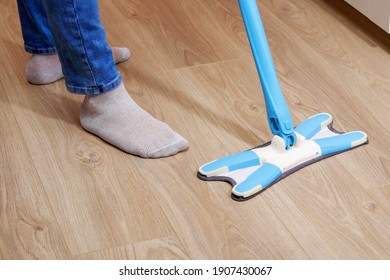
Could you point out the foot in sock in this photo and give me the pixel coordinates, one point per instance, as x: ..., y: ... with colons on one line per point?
x: 117, y: 119
x: 46, y: 69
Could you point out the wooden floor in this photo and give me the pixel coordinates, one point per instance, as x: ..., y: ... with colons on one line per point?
x: 65, y: 194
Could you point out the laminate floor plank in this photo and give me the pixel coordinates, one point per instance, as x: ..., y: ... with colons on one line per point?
x: 65, y: 193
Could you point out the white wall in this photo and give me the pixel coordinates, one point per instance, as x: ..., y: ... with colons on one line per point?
x: 376, y: 10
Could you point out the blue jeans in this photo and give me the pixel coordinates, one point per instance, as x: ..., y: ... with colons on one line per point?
x: 72, y: 29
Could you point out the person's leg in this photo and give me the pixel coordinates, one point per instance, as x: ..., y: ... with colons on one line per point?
x: 80, y: 39
x: 44, y: 67
x: 88, y: 66
x: 39, y: 42
x: 35, y: 29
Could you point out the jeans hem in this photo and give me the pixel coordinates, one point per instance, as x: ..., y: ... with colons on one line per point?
x: 32, y: 50
x: 97, y: 89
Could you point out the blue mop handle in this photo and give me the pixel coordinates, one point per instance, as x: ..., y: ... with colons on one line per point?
x: 279, y: 118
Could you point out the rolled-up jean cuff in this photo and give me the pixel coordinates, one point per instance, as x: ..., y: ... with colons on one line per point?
x: 96, y: 89
x: 32, y: 50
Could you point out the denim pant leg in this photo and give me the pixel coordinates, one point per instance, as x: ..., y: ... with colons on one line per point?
x: 80, y: 39
x: 35, y: 29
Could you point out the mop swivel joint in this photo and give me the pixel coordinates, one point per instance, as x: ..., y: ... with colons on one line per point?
x: 285, y: 131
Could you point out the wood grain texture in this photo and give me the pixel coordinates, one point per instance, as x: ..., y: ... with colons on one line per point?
x: 28, y: 226
x: 65, y: 194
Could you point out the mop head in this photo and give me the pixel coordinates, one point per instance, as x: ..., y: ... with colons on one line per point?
x: 252, y: 171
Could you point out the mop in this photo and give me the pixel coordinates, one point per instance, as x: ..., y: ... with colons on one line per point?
x: 291, y: 148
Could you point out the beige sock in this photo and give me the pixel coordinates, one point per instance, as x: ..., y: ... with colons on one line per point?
x: 117, y: 119
x: 46, y: 69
